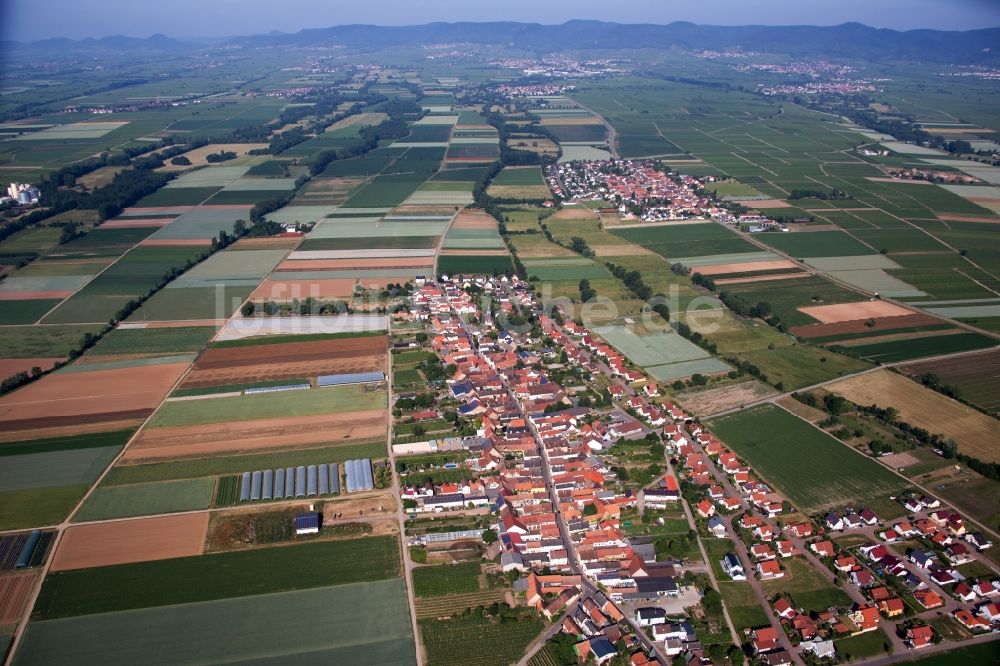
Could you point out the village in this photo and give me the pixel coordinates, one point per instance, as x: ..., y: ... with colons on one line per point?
x: 558, y: 414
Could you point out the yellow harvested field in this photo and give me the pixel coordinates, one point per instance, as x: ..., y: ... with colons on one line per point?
x: 976, y: 433
x: 198, y: 155
x: 831, y: 314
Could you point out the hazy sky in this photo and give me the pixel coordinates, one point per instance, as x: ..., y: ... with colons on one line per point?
x: 27, y: 20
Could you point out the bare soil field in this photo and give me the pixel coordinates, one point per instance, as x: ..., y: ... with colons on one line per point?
x: 806, y: 412
x: 968, y: 218
x: 861, y: 325
x: 227, y: 365
x: 136, y: 223
x: 899, y: 460
x: 975, y: 432
x: 87, y: 397
x: 620, y: 251
x: 12, y: 366
x: 15, y: 591
x: 263, y: 434
x: 977, y: 376
x: 286, y: 290
x: 761, y: 278
x: 768, y: 203
x: 474, y: 219
x: 126, y: 541
x: 713, y: 401
x: 746, y: 267
x: 33, y: 295
x: 832, y: 314
x: 352, y: 264
x: 198, y: 155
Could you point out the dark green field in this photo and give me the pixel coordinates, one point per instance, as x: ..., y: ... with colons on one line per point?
x: 177, y: 196
x: 815, y: 244
x: 689, y: 240
x: 901, y: 350
x: 218, y: 576
x: 380, y: 242
x: 25, y: 312
x: 432, y: 581
x: 154, y: 340
x: 811, y: 468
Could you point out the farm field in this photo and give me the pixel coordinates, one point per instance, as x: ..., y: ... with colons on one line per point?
x: 797, y: 366
x: 123, y: 542
x: 666, y: 356
x: 975, y: 432
x: 146, y: 499
x: 919, y: 347
x: 445, y: 579
x: 486, y: 641
x: 976, y: 376
x: 797, y: 459
x: 677, y: 243
x: 218, y: 576
x: 281, y: 624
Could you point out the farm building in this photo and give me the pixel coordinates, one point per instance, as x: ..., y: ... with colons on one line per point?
x: 307, y: 523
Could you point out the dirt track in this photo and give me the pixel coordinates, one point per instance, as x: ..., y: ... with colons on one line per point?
x: 201, y: 440
x: 121, y: 542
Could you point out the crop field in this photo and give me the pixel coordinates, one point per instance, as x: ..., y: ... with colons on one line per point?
x: 153, y: 340
x: 44, y: 469
x: 811, y: 468
x: 687, y: 240
x: 218, y: 576
x: 124, y: 474
x: 127, y: 541
x: 282, y: 624
x: 433, y: 581
x: 285, y: 404
x: 385, y: 190
x: 88, y: 397
x: 202, y: 223
x: 816, y: 244
x: 976, y: 376
x: 470, y: 264
x: 797, y: 366
x: 975, y: 433
x: 472, y: 638
x: 919, y: 347
x: 794, y: 294
x: 520, y: 183
x: 213, y: 304
x: 146, y: 499
x: 21, y: 509
x: 652, y: 349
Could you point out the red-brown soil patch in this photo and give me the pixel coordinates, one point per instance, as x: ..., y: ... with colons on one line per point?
x: 286, y: 290
x: 860, y: 325
x: 14, y: 594
x: 134, y: 222
x: 232, y: 365
x: 746, y: 267
x: 86, y: 397
x: 125, y: 541
x: 832, y: 314
x: 261, y: 434
x: 12, y: 366
x: 33, y: 295
x: 761, y: 278
x: 968, y: 218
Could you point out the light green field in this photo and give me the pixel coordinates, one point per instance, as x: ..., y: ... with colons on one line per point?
x: 266, y: 405
x: 653, y: 349
x: 202, y: 223
x: 210, y: 176
x: 263, y: 628
x: 672, y: 371
x: 147, y: 499
x: 56, y: 468
x: 36, y: 507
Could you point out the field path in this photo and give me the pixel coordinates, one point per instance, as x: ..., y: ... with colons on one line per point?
x: 612, y: 134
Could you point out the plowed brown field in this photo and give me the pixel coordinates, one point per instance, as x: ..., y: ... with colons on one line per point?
x: 204, y: 440
x: 125, y: 541
x: 14, y: 593
x: 287, y: 290
x: 832, y: 314
x: 860, y: 325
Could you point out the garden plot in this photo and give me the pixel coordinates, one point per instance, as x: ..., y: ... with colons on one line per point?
x: 82, y: 130
x: 213, y: 176
x: 202, y: 223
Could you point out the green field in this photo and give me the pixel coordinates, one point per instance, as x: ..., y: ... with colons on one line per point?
x: 268, y: 627
x: 793, y: 294
x: 443, y: 579
x: 811, y: 468
x: 147, y: 499
x: 816, y: 244
x: 809, y: 589
x: 901, y: 350
x: 473, y: 264
x: 473, y: 639
x: 219, y: 576
x: 36, y: 507
x: 42, y: 341
x: 26, y: 311
x: 202, y: 467
x: 266, y: 405
x: 520, y: 176
x: 46, y: 469
x: 688, y: 240
x: 797, y: 366
x: 154, y: 340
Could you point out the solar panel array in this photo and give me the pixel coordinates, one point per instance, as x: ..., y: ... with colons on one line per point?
x: 290, y: 482
x: 359, y: 475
